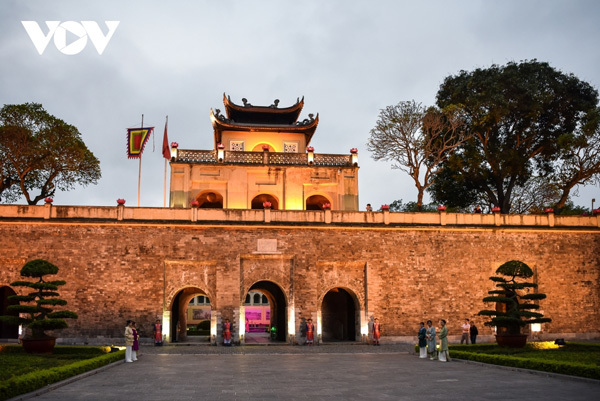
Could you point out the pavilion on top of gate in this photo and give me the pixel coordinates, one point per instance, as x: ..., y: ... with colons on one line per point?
x: 262, y: 158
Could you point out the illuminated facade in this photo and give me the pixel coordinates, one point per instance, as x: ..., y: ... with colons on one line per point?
x: 263, y: 154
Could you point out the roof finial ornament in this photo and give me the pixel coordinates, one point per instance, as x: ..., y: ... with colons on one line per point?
x: 245, y: 101
x: 275, y: 104
x: 220, y: 116
x: 306, y: 121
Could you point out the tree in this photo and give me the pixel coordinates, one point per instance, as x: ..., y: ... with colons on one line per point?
x: 41, y: 152
x: 411, y: 207
x: 41, y: 315
x: 579, y: 158
x: 517, y: 308
x: 516, y: 114
x: 416, y: 140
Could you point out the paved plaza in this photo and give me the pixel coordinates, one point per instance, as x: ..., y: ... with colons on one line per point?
x: 339, y: 372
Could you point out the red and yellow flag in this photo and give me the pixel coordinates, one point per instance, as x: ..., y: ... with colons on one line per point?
x: 136, y: 140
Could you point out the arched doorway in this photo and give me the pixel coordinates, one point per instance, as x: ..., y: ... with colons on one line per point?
x: 268, y: 299
x: 316, y: 202
x: 339, y: 316
x: 210, y: 200
x: 257, y: 202
x: 190, y: 316
x: 7, y: 330
x: 262, y: 146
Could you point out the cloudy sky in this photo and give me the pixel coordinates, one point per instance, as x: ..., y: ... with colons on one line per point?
x: 349, y: 59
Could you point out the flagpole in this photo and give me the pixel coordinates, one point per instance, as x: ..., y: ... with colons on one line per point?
x: 165, y: 192
x: 140, y: 170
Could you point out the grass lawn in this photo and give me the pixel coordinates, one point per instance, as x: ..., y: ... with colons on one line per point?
x: 578, y: 359
x: 21, y: 372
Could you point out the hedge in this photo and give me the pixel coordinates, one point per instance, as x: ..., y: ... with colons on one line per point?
x: 35, y: 380
x: 478, y: 353
x: 565, y: 368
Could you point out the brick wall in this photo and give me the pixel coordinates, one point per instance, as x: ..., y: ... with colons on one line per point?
x: 403, y: 275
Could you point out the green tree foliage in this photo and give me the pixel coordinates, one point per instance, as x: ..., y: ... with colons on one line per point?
x: 40, y: 302
x: 41, y: 153
x: 514, y: 306
x: 400, y: 206
x: 526, y: 120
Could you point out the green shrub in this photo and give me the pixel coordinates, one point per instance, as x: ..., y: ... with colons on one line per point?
x: 535, y: 357
x: 35, y: 380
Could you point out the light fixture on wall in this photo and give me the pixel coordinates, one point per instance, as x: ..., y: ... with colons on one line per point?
x: 354, y: 154
x: 220, y: 152
x: 174, y: 146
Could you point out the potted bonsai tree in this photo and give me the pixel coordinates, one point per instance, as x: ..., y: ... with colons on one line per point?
x: 42, y: 300
x: 515, y: 304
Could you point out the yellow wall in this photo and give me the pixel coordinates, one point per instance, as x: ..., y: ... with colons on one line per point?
x: 291, y: 185
x: 275, y: 139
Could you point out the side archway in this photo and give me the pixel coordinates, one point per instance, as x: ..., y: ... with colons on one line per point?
x: 258, y: 200
x: 186, y: 313
x: 339, y: 316
x: 210, y: 200
x: 7, y: 331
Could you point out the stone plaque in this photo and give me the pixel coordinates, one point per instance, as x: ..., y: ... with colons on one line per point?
x: 266, y: 246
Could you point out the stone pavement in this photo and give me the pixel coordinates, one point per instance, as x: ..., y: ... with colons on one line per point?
x: 338, y: 372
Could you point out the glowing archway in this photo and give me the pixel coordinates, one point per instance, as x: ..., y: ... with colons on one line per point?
x: 316, y: 202
x: 210, y: 200
x: 180, y: 315
x: 278, y: 304
x: 261, y: 147
x: 259, y: 200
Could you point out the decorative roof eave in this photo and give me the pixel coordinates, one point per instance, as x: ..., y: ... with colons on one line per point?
x: 220, y: 124
x: 293, y: 111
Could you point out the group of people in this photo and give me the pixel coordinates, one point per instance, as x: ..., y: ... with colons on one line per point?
x: 428, y: 342
x: 131, y: 342
x: 132, y: 336
x: 469, y: 331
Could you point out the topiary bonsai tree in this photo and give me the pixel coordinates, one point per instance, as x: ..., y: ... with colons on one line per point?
x: 41, y: 316
x: 515, y: 306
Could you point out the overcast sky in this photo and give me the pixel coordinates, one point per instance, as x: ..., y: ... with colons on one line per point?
x: 349, y: 59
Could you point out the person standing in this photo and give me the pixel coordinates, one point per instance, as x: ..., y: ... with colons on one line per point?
x: 444, y: 355
x: 431, y: 343
x: 128, y: 341
x: 157, y: 329
x: 474, y: 332
x: 310, y: 332
x: 369, y: 207
x: 422, y: 341
x: 465, y: 332
x: 227, y: 333
x: 376, y: 331
x: 136, y: 344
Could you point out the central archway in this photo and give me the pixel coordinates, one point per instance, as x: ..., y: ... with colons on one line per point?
x: 259, y: 200
x: 316, y: 202
x: 277, y: 306
x: 339, y: 316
